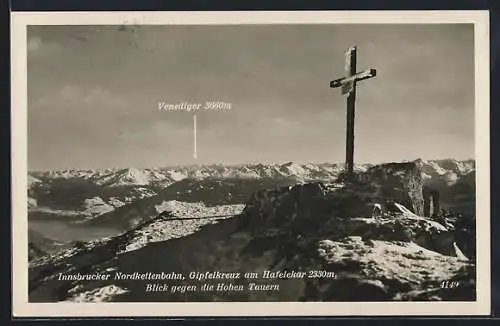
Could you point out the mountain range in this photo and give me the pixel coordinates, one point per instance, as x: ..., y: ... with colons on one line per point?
x: 91, y: 193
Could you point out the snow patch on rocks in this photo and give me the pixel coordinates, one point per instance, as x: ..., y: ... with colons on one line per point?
x: 103, y: 294
x: 183, y: 219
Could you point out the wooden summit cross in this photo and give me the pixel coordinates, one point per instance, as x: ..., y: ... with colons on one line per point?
x: 348, y: 84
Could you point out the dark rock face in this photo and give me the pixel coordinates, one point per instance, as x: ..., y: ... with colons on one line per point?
x: 39, y: 246
x: 464, y: 230
x: 399, y: 182
x: 283, y: 210
x: 455, y: 182
x: 34, y: 251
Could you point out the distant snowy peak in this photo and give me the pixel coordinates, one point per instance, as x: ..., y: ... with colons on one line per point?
x: 138, y: 177
x: 463, y: 167
x: 70, y: 174
x: 435, y: 167
x: 242, y: 172
x: 134, y: 177
x: 125, y: 177
x: 96, y: 206
x: 293, y: 169
x: 448, y: 169
x: 176, y: 175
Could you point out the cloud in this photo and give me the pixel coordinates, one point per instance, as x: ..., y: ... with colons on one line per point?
x: 71, y: 97
x: 37, y: 47
x: 34, y: 43
x: 99, y: 95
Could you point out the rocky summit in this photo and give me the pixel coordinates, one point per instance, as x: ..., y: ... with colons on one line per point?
x: 362, y: 240
x: 315, y: 203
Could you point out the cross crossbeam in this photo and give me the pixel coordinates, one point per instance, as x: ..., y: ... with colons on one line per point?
x: 348, y: 87
x: 366, y: 74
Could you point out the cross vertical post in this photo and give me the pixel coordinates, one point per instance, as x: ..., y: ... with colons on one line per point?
x: 350, y: 114
x: 348, y: 87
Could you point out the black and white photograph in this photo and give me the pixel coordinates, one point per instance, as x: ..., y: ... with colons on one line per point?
x: 300, y: 162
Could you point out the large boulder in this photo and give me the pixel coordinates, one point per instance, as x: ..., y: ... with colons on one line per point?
x: 398, y: 182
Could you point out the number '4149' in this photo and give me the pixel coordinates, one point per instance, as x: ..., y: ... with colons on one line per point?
x: 449, y: 284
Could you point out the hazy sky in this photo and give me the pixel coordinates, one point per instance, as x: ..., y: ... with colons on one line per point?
x: 93, y: 94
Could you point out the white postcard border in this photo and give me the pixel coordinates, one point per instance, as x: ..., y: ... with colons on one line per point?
x: 21, y: 306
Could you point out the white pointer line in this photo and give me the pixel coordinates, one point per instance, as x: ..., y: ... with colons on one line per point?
x: 195, y: 154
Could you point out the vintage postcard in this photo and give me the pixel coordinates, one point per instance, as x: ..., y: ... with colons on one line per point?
x: 250, y: 163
